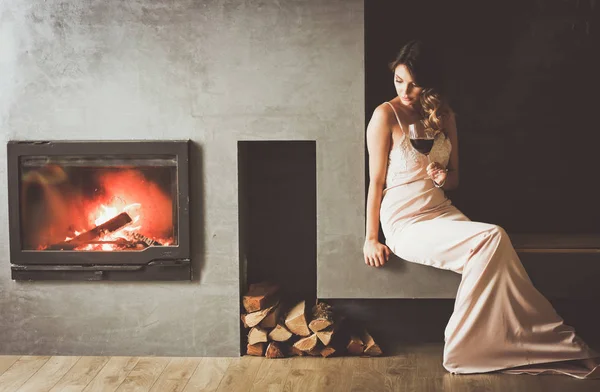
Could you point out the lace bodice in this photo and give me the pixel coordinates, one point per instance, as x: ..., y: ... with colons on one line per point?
x: 405, y: 164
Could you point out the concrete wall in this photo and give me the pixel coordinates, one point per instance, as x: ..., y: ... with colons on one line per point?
x: 212, y: 71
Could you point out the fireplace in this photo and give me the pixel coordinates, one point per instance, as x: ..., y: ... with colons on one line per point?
x: 101, y: 210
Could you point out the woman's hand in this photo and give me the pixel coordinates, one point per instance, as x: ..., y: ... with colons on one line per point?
x: 376, y: 254
x: 437, y: 172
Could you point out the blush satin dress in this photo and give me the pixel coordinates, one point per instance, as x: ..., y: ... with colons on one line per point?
x: 500, y: 322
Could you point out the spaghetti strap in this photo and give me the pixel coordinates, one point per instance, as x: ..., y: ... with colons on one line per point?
x: 396, y: 113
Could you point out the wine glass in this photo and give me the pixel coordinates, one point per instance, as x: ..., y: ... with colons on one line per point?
x: 421, y: 138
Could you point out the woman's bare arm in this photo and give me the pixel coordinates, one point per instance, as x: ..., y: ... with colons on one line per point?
x: 378, y: 146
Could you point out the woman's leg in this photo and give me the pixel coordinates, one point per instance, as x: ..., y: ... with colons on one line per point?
x: 500, y: 319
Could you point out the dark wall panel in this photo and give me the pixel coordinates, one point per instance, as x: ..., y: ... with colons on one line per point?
x: 523, y: 77
x: 278, y: 217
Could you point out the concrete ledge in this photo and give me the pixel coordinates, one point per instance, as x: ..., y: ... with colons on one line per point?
x: 561, y: 267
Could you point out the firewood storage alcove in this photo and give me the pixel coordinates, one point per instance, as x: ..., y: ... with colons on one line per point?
x: 99, y: 210
x: 278, y: 217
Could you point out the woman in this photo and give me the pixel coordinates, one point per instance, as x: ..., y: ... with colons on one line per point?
x: 500, y: 321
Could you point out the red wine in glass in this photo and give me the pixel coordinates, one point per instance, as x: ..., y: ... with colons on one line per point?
x: 421, y: 137
x: 422, y: 145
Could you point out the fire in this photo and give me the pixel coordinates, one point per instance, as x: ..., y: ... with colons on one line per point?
x: 104, y: 214
x: 123, y: 191
x: 115, y: 240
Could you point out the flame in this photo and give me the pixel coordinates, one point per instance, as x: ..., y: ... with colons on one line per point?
x: 127, y: 191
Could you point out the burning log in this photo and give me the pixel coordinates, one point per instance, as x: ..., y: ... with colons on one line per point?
x: 142, y: 239
x: 109, y: 226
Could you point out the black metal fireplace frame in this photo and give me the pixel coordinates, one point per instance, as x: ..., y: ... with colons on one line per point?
x: 153, y: 263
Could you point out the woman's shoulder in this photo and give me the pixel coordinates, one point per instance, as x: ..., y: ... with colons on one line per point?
x: 388, y: 111
x: 382, y: 114
x: 383, y: 109
x: 382, y: 120
x: 405, y: 114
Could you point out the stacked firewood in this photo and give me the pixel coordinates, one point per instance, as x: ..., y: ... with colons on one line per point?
x: 277, y: 330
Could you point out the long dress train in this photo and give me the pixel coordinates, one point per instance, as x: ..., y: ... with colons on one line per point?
x: 500, y: 322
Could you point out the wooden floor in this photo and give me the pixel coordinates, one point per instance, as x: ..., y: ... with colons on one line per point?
x: 410, y: 369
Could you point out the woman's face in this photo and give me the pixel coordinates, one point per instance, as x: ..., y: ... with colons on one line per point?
x: 407, y: 89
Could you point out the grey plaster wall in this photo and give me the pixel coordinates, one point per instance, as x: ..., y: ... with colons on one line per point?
x: 212, y: 71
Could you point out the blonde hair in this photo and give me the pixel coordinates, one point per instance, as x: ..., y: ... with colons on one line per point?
x: 434, y: 109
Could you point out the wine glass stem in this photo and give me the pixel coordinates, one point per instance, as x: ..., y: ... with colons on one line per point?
x: 428, y: 162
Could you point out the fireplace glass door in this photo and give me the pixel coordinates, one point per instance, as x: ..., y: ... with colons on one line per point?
x: 98, y: 204
x: 99, y: 210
